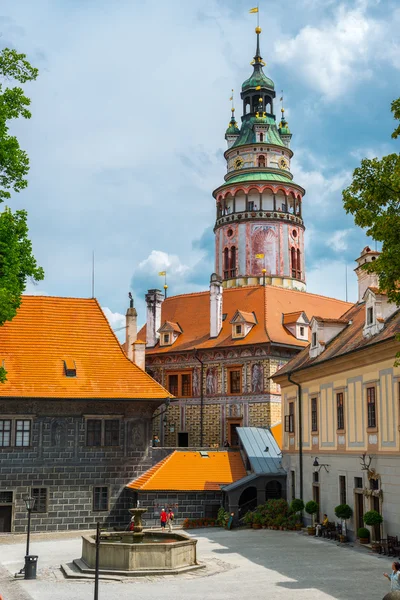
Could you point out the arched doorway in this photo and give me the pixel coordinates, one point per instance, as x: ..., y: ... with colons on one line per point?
x: 273, y: 490
x: 247, y: 501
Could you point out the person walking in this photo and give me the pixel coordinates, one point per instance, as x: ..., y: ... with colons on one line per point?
x: 170, y: 518
x: 163, y: 519
x: 394, y: 577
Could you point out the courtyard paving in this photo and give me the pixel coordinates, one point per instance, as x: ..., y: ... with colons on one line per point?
x: 256, y: 564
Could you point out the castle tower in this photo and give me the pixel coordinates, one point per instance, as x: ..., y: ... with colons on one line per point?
x: 259, y: 230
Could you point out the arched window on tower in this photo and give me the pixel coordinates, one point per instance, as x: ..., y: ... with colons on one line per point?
x: 293, y: 257
x: 261, y: 161
x: 233, y: 262
x: 298, y: 264
x: 261, y: 137
x: 226, y: 263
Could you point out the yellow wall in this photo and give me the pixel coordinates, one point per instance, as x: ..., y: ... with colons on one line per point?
x: 353, y: 381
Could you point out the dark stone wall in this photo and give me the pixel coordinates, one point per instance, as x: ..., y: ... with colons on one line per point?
x: 59, y: 460
x: 186, y: 505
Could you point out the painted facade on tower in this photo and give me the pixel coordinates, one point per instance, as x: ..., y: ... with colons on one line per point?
x: 259, y: 229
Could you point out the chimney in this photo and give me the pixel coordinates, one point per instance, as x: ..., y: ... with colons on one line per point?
x: 215, y: 305
x: 130, y: 328
x: 154, y: 299
x: 138, y: 352
x: 365, y: 279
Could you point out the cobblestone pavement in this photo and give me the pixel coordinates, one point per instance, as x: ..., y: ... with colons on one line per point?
x: 245, y: 563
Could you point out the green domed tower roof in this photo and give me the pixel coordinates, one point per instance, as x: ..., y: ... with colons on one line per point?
x: 258, y: 79
x: 233, y: 128
x: 284, y: 125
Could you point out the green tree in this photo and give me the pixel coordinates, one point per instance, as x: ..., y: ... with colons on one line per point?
x: 14, y: 162
x: 373, y: 198
x: 17, y: 262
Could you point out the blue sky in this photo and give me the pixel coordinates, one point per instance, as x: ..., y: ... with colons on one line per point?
x: 127, y: 136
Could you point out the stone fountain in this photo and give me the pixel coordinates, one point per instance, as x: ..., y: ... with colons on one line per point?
x: 136, y: 517
x: 137, y: 552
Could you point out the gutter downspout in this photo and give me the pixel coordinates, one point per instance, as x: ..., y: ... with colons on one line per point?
x: 196, y: 355
x: 300, y: 432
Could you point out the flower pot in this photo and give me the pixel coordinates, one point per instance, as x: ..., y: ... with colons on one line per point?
x: 364, y: 540
x: 342, y: 539
x: 311, y: 530
x: 298, y: 526
x: 257, y: 526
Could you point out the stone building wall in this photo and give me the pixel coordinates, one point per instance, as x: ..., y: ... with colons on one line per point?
x: 59, y: 461
x: 185, y: 505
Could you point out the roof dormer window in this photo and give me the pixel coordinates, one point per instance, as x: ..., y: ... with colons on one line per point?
x: 169, y: 333
x: 297, y: 324
x: 242, y: 324
x: 370, y: 315
x: 69, y: 368
x: 314, y: 339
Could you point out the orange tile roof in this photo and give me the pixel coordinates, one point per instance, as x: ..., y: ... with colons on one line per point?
x: 276, y: 431
x: 48, y: 331
x: 169, y: 326
x: 189, y: 471
x: 289, y: 318
x: 248, y: 317
x: 269, y: 303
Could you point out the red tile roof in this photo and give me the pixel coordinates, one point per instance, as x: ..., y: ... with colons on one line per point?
x: 48, y: 331
x: 350, y: 339
x: 269, y: 303
x: 189, y: 471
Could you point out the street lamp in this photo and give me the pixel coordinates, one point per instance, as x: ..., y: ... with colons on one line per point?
x: 29, y: 503
x: 30, y: 561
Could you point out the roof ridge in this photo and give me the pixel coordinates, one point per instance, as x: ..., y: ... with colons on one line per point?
x: 159, y: 465
x: 48, y: 296
x: 265, y: 315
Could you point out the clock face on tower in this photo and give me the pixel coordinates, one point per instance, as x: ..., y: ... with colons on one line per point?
x: 283, y: 163
x: 238, y: 163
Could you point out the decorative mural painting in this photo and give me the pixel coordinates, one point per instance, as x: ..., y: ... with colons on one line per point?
x: 264, y: 241
x: 212, y: 381
x: 257, y: 378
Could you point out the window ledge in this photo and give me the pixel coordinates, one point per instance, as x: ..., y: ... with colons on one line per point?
x: 341, y: 431
x: 372, y: 429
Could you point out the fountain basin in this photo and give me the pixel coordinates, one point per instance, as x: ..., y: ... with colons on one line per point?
x: 153, y: 555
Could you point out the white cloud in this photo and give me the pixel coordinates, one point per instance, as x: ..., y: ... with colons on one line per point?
x: 161, y: 261
x: 335, y: 55
x: 338, y: 241
x: 117, y: 322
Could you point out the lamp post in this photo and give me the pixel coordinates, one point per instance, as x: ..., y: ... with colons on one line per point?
x: 29, y: 503
x: 96, y: 569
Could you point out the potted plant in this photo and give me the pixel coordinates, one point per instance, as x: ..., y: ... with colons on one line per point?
x: 297, y: 506
x: 373, y: 519
x: 343, y: 512
x: 363, y: 535
x: 311, y: 508
x: 257, y: 521
x: 249, y: 518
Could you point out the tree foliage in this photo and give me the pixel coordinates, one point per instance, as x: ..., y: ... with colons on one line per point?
x: 14, y: 162
x: 17, y: 262
x: 373, y: 198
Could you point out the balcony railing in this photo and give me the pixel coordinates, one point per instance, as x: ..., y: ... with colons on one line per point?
x: 258, y: 214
